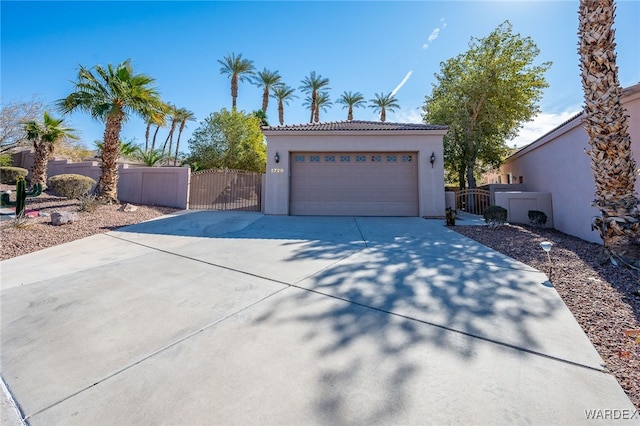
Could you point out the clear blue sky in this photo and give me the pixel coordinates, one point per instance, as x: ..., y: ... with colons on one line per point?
x: 365, y: 46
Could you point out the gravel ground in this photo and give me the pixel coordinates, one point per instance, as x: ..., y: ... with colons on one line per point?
x: 604, y: 299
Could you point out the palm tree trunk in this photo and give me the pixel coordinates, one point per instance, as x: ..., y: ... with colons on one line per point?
x: 39, y: 168
x: 155, y: 134
x: 108, y: 184
x: 182, y: 124
x: 606, y: 124
x: 265, y: 100
x: 383, y: 115
x: 313, y: 105
x: 350, y: 114
x: 234, y: 91
x: 281, y: 112
x: 146, y: 137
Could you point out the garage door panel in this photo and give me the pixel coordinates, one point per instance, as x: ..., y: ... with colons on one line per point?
x: 358, y: 184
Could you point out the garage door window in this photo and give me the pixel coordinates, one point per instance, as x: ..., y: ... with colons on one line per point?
x: 360, y: 158
x: 299, y: 159
x: 345, y: 158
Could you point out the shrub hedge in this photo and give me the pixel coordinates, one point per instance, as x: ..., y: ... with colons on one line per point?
x: 10, y: 175
x: 71, y: 185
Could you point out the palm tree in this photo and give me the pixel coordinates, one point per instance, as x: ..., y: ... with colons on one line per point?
x: 322, y: 102
x: 606, y: 124
x: 351, y: 100
x: 268, y: 80
x: 174, y: 115
x: 150, y: 158
x: 283, y: 94
x: 382, y: 103
x: 44, y: 137
x: 111, y: 95
x: 184, y: 116
x: 237, y: 69
x: 311, y: 85
x: 156, y: 117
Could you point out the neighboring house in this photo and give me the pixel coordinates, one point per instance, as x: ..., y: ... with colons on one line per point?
x: 355, y: 168
x: 557, y: 163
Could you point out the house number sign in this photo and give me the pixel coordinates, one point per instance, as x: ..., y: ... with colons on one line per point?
x: 277, y: 170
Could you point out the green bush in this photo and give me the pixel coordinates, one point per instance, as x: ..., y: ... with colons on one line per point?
x: 10, y: 175
x: 71, y: 185
x: 537, y: 218
x: 6, y: 160
x: 495, y: 215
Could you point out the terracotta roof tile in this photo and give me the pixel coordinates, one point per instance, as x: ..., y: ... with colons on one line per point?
x: 354, y: 125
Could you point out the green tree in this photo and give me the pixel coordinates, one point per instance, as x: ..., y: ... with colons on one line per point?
x: 267, y: 80
x: 150, y: 158
x: 322, y: 103
x: 44, y: 136
x: 485, y: 95
x: 229, y: 139
x: 238, y: 70
x: 311, y: 85
x: 111, y: 95
x: 351, y: 100
x: 283, y: 94
x: 612, y: 162
x: 382, y: 103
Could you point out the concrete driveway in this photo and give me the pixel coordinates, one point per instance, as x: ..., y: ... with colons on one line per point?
x: 240, y: 318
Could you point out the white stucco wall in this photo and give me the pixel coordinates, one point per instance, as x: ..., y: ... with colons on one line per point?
x: 557, y: 163
x: 424, y: 142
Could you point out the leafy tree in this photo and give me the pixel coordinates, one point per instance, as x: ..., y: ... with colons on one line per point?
x: 311, y: 85
x: 283, y: 94
x: 111, y: 95
x: 382, y: 103
x: 485, y: 95
x: 237, y: 69
x: 44, y: 136
x: 351, y: 100
x: 229, y: 139
x: 268, y: 80
x: 13, y: 115
x: 606, y: 124
x: 262, y: 117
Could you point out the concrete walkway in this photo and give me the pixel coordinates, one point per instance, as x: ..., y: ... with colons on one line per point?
x: 240, y: 318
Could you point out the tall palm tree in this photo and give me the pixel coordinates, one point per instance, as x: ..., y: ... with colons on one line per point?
x: 174, y: 116
x: 184, y: 116
x: 237, y: 69
x: 154, y: 117
x: 283, y: 94
x: 311, y: 85
x: 268, y: 80
x: 111, y: 95
x: 44, y: 137
x: 351, y: 100
x: 382, y: 103
x: 322, y: 102
x: 606, y: 124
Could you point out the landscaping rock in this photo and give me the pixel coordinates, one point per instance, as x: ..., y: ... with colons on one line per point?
x: 60, y: 218
x: 128, y: 208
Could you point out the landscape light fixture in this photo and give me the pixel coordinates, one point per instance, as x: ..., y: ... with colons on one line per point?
x: 432, y: 159
x: 546, y: 246
x: 277, y: 157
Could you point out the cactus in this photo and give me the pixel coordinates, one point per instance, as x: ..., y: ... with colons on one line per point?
x: 21, y: 196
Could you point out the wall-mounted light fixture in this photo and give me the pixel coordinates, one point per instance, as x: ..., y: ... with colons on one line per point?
x: 432, y: 159
x: 277, y: 157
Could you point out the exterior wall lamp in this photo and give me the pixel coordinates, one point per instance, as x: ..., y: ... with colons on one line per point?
x: 432, y: 159
x: 277, y: 157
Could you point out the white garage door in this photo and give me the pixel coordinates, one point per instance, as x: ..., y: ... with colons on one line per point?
x: 354, y: 184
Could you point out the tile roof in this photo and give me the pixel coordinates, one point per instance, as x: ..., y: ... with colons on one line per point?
x: 354, y: 125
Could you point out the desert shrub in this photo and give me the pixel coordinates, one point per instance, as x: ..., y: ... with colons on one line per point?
x: 71, y: 185
x: 10, y: 175
x: 88, y: 202
x: 537, y: 218
x: 6, y: 160
x: 495, y: 215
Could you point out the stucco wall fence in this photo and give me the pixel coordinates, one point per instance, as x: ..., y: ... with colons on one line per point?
x: 160, y: 186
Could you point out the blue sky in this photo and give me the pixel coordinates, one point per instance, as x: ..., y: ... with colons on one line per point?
x: 365, y: 46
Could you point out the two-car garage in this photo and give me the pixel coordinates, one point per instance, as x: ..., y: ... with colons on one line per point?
x: 355, y: 168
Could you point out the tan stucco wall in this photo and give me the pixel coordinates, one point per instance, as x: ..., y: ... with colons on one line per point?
x: 431, y: 180
x: 558, y: 164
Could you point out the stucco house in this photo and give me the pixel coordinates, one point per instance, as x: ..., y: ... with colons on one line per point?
x: 355, y: 168
x: 557, y: 163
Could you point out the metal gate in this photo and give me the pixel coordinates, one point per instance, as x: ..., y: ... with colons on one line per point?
x: 473, y: 201
x: 223, y: 189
